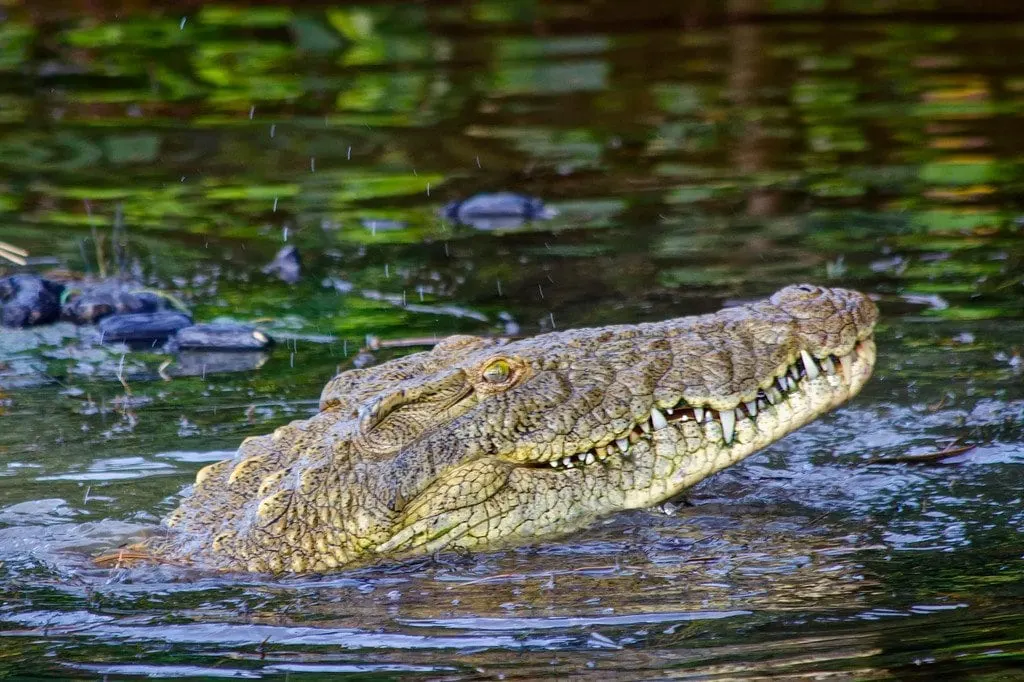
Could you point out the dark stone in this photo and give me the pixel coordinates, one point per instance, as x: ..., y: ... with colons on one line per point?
x: 29, y: 300
x: 142, y: 327
x: 221, y: 337
x: 109, y: 298
x: 286, y: 266
x: 491, y: 211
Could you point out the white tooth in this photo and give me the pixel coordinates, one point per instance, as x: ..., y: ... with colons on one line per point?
x: 773, y: 395
x: 658, y: 419
x: 828, y: 365
x: 589, y: 459
x: 783, y: 383
x: 567, y: 461
x: 698, y: 414
x: 794, y: 373
x: 645, y: 426
x: 669, y: 411
x: 728, y: 418
x: 791, y: 383
x: 846, y: 362
x: 810, y: 366
x: 554, y: 463
x: 623, y: 444
x: 752, y: 408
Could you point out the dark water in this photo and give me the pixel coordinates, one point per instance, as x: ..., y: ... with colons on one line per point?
x: 696, y: 156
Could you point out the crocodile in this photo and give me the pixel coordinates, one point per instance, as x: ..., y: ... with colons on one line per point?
x: 481, y: 443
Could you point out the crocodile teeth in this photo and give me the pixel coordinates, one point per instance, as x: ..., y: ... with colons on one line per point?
x: 791, y: 383
x: 698, y: 414
x: 658, y: 419
x: 554, y: 463
x: 781, y: 381
x: 773, y: 395
x: 728, y: 418
x: 794, y: 374
x: 828, y: 365
x: 752, y: 408
x: 567, y: 461
x: 810, y: 366
x: 623, y: 444
x: 645, y: 427
x: 589, y: 459
x: 669, y: 411
x: 846, y: 362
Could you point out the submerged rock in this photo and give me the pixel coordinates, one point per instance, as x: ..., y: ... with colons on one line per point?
x: 29, y: 300
x: 221, y: 337
x: 490, y: 211
x: 286, y: 266
x: 142, y: 327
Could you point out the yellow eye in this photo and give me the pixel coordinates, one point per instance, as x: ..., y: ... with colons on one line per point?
x: 497, y: 372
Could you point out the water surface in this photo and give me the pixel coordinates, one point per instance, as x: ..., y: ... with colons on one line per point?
x: 697, y: 157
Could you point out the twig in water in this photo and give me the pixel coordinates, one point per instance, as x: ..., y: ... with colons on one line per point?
x: 927, y: 458
x: 12, y: 253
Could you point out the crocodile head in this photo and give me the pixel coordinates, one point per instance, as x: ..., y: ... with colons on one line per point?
x: 480, y: 442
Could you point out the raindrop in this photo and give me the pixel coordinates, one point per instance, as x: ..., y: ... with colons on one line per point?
x: 252, y: 111
x: 181, y: 26
x: 273, y: 129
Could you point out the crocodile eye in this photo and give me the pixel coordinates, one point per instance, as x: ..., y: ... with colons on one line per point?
x: 497, y: 372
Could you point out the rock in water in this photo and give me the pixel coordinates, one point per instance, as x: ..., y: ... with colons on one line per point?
x: 29, y: 300
x: 142, y: 327
x: 286, y: 266
x: 90, y: 305
x: 221, y: 337
x: 491, y: 211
